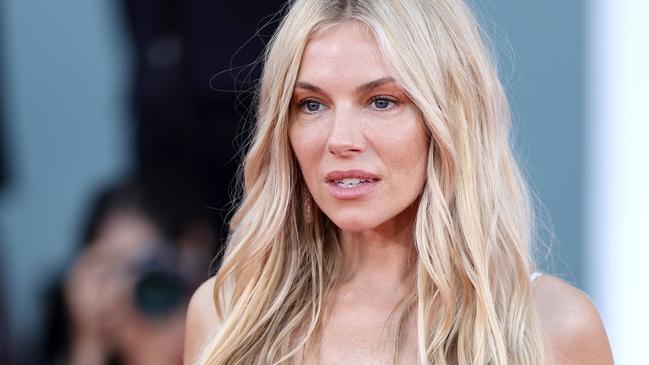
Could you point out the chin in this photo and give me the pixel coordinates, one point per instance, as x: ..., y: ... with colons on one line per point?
x: 354, y: 223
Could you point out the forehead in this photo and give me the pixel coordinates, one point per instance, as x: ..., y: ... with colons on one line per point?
x: 346, y: 51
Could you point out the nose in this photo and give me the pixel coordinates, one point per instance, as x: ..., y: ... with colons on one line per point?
x: 345, y: 137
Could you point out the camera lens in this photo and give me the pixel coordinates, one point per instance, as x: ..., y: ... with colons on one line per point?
x: 158, y: 292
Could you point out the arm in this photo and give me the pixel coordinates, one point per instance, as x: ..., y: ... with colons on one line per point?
x: 201, y: 321
x: 572, y: 330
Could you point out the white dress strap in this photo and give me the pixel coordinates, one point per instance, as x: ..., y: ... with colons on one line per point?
x: 534, y: 276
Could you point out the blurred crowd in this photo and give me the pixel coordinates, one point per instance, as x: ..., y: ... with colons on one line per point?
x: 152, y: 235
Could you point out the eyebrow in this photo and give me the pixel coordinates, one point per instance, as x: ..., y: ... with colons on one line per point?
x: 365, y: 87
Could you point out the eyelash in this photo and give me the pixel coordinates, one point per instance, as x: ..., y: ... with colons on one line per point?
x: 302, y: 105
x: 393, y: 102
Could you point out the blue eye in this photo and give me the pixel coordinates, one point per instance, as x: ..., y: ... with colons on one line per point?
x: 311, y: 106
x: 382, y: 103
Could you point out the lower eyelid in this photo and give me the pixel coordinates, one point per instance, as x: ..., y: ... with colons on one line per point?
x: 393, y: 102
x: 302, y: 106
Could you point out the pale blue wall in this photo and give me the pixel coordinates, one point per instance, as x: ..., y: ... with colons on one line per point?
x: 544, y: 71
x: 64, y: 77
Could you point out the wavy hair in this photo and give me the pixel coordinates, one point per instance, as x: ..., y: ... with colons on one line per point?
x: 472, y: 302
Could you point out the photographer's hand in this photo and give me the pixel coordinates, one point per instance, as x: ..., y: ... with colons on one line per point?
x: 94, y: 291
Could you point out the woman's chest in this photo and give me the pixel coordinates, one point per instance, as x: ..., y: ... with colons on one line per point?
x: 367, y: 337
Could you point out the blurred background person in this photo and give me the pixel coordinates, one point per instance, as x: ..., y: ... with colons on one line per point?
x: 122, y: 299
x: 179, y: 114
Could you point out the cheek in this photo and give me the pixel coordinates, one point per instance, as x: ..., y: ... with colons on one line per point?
x: 403, y: 147
x: 307, y: 144
x: 408, y: 167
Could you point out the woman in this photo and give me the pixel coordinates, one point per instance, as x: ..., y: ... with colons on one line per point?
x: 384, y: 218
x: 124, y: 298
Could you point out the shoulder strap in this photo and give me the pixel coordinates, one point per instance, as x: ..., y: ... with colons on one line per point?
x: 534, y: 275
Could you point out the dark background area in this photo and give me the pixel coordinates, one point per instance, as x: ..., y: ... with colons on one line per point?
x: 187, y: 121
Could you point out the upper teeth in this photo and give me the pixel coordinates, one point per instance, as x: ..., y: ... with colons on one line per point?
x: 350, y: 182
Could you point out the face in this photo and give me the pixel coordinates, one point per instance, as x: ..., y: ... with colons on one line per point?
x: 101, y: 293
x: 359, y: 140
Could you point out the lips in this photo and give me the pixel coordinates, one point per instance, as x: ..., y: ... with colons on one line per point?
x: 350, y: 184
x: 335, y: 176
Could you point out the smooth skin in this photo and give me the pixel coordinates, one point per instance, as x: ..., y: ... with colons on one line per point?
x: 346, y: 115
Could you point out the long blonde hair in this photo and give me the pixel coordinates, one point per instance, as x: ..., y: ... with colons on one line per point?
x: 473, y: 226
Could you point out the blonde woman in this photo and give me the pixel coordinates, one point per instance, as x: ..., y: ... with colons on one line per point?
x: 384, y: 220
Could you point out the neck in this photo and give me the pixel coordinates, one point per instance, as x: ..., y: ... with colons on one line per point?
x: 382, y: 258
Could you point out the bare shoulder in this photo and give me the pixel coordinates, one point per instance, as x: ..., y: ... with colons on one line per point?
x: 573, y: 332
x: 202, y: 320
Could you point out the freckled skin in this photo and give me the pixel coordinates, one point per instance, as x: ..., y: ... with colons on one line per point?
x: 347, y: 128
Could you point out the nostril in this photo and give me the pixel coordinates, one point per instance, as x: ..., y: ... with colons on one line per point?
x: 345, y: 136
x: 344, y: 149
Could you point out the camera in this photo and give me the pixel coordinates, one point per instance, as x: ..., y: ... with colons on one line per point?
x: 166, y: 277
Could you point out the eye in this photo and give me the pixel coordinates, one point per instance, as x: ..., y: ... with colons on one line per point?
x: 311, y: 106
x: 383, y: 103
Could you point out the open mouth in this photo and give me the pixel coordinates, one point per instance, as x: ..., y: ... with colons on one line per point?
x: 352, y: 182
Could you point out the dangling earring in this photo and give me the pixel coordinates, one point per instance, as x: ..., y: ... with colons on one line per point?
x: 307, y: 204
